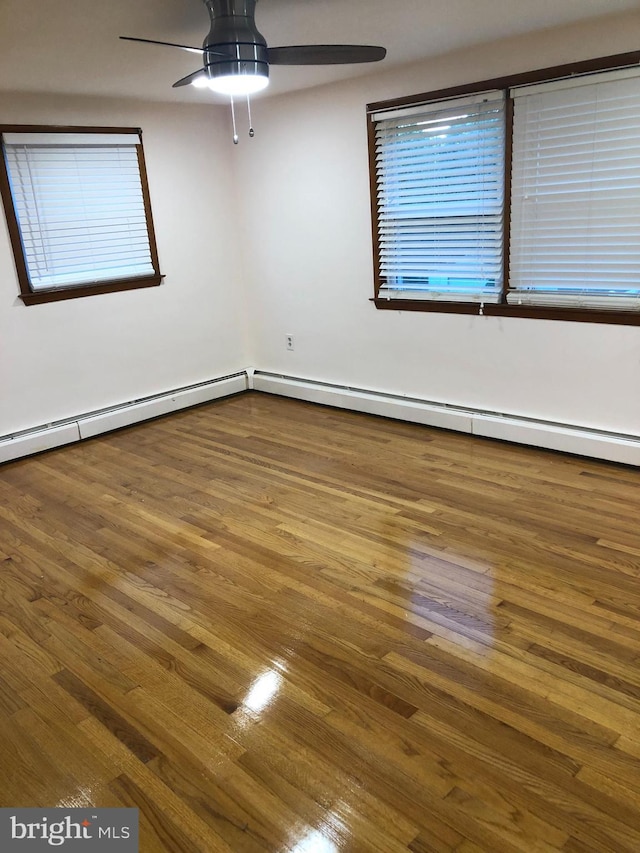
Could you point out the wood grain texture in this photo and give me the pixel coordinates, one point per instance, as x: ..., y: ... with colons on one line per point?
x: 272, y: 626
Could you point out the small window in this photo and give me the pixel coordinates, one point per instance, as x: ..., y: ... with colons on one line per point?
x: 78, y: 210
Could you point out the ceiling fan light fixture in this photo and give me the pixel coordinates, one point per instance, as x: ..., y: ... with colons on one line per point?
x: 238, y: 84
x: 236, y: 57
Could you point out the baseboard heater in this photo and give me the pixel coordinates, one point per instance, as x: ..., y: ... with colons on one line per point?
x: 56, y: 434
x: 568, y: 438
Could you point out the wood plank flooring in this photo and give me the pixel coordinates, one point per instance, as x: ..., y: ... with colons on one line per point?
x: 273, y: 626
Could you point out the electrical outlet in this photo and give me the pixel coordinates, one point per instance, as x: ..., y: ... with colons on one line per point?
x: 289, y: 340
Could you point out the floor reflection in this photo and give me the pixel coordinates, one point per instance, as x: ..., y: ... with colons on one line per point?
x: 315, y: 842
x: 263, y: 691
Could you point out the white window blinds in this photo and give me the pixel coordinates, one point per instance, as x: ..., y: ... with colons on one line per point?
x: 80, y: 208
x: 575, y: 210
x: 440, y: 197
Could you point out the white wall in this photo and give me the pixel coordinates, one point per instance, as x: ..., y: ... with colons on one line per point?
x: 65, y: 358
x: 304, y: 188
x: 302, y: 247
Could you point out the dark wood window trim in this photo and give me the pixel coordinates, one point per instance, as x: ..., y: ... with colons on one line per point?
x: 502, y: 309
x: 533, y: 312
x: 41, y: 296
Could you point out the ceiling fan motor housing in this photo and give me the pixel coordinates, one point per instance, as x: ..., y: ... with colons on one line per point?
x: 234, y: 46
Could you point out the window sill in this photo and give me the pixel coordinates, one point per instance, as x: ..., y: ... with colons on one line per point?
x: 576, y: 315
x: 41, y: 296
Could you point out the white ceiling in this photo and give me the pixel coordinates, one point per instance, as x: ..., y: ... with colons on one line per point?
x: 72, y: 46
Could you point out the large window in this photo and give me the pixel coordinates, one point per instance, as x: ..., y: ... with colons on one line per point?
x: 78, y: 211
x: 518, y: 196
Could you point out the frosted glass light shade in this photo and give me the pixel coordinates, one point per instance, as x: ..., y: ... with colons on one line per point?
x: 238, y: 84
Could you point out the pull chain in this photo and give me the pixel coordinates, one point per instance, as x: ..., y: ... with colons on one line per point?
x: 233, y: 119
x: 252, y: 132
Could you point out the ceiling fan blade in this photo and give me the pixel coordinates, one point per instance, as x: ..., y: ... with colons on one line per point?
x: 325, y: 54
x: 184, y: 81
x: 197, y: 50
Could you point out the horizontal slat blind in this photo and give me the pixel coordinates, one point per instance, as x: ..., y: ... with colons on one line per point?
x: 440, y: 196
x: 80, y: 209
x: 575, y: 209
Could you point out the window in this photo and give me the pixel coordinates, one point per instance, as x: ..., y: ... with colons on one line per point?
x: 78, y: 211
x: 520, y: 194
x: 440, y: 180
x: 575, y: 200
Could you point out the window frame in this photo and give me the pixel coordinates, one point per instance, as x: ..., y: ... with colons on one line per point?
x: 500, y: 309
x: 44, y: 295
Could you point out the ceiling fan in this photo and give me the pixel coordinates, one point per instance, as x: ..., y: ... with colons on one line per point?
x: 236, y: 57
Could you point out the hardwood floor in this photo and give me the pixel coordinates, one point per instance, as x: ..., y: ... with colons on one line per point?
x: 277, y: 627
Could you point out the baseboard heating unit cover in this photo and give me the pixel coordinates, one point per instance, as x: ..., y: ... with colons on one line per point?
x: 568, y: 438
x: 87, y: 425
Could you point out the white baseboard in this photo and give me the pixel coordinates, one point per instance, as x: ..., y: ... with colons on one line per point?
x: 582, y: 441
x: 163, y: 404
x: 37, y: 440
x: 568, y: 438
x: 87, y: 425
